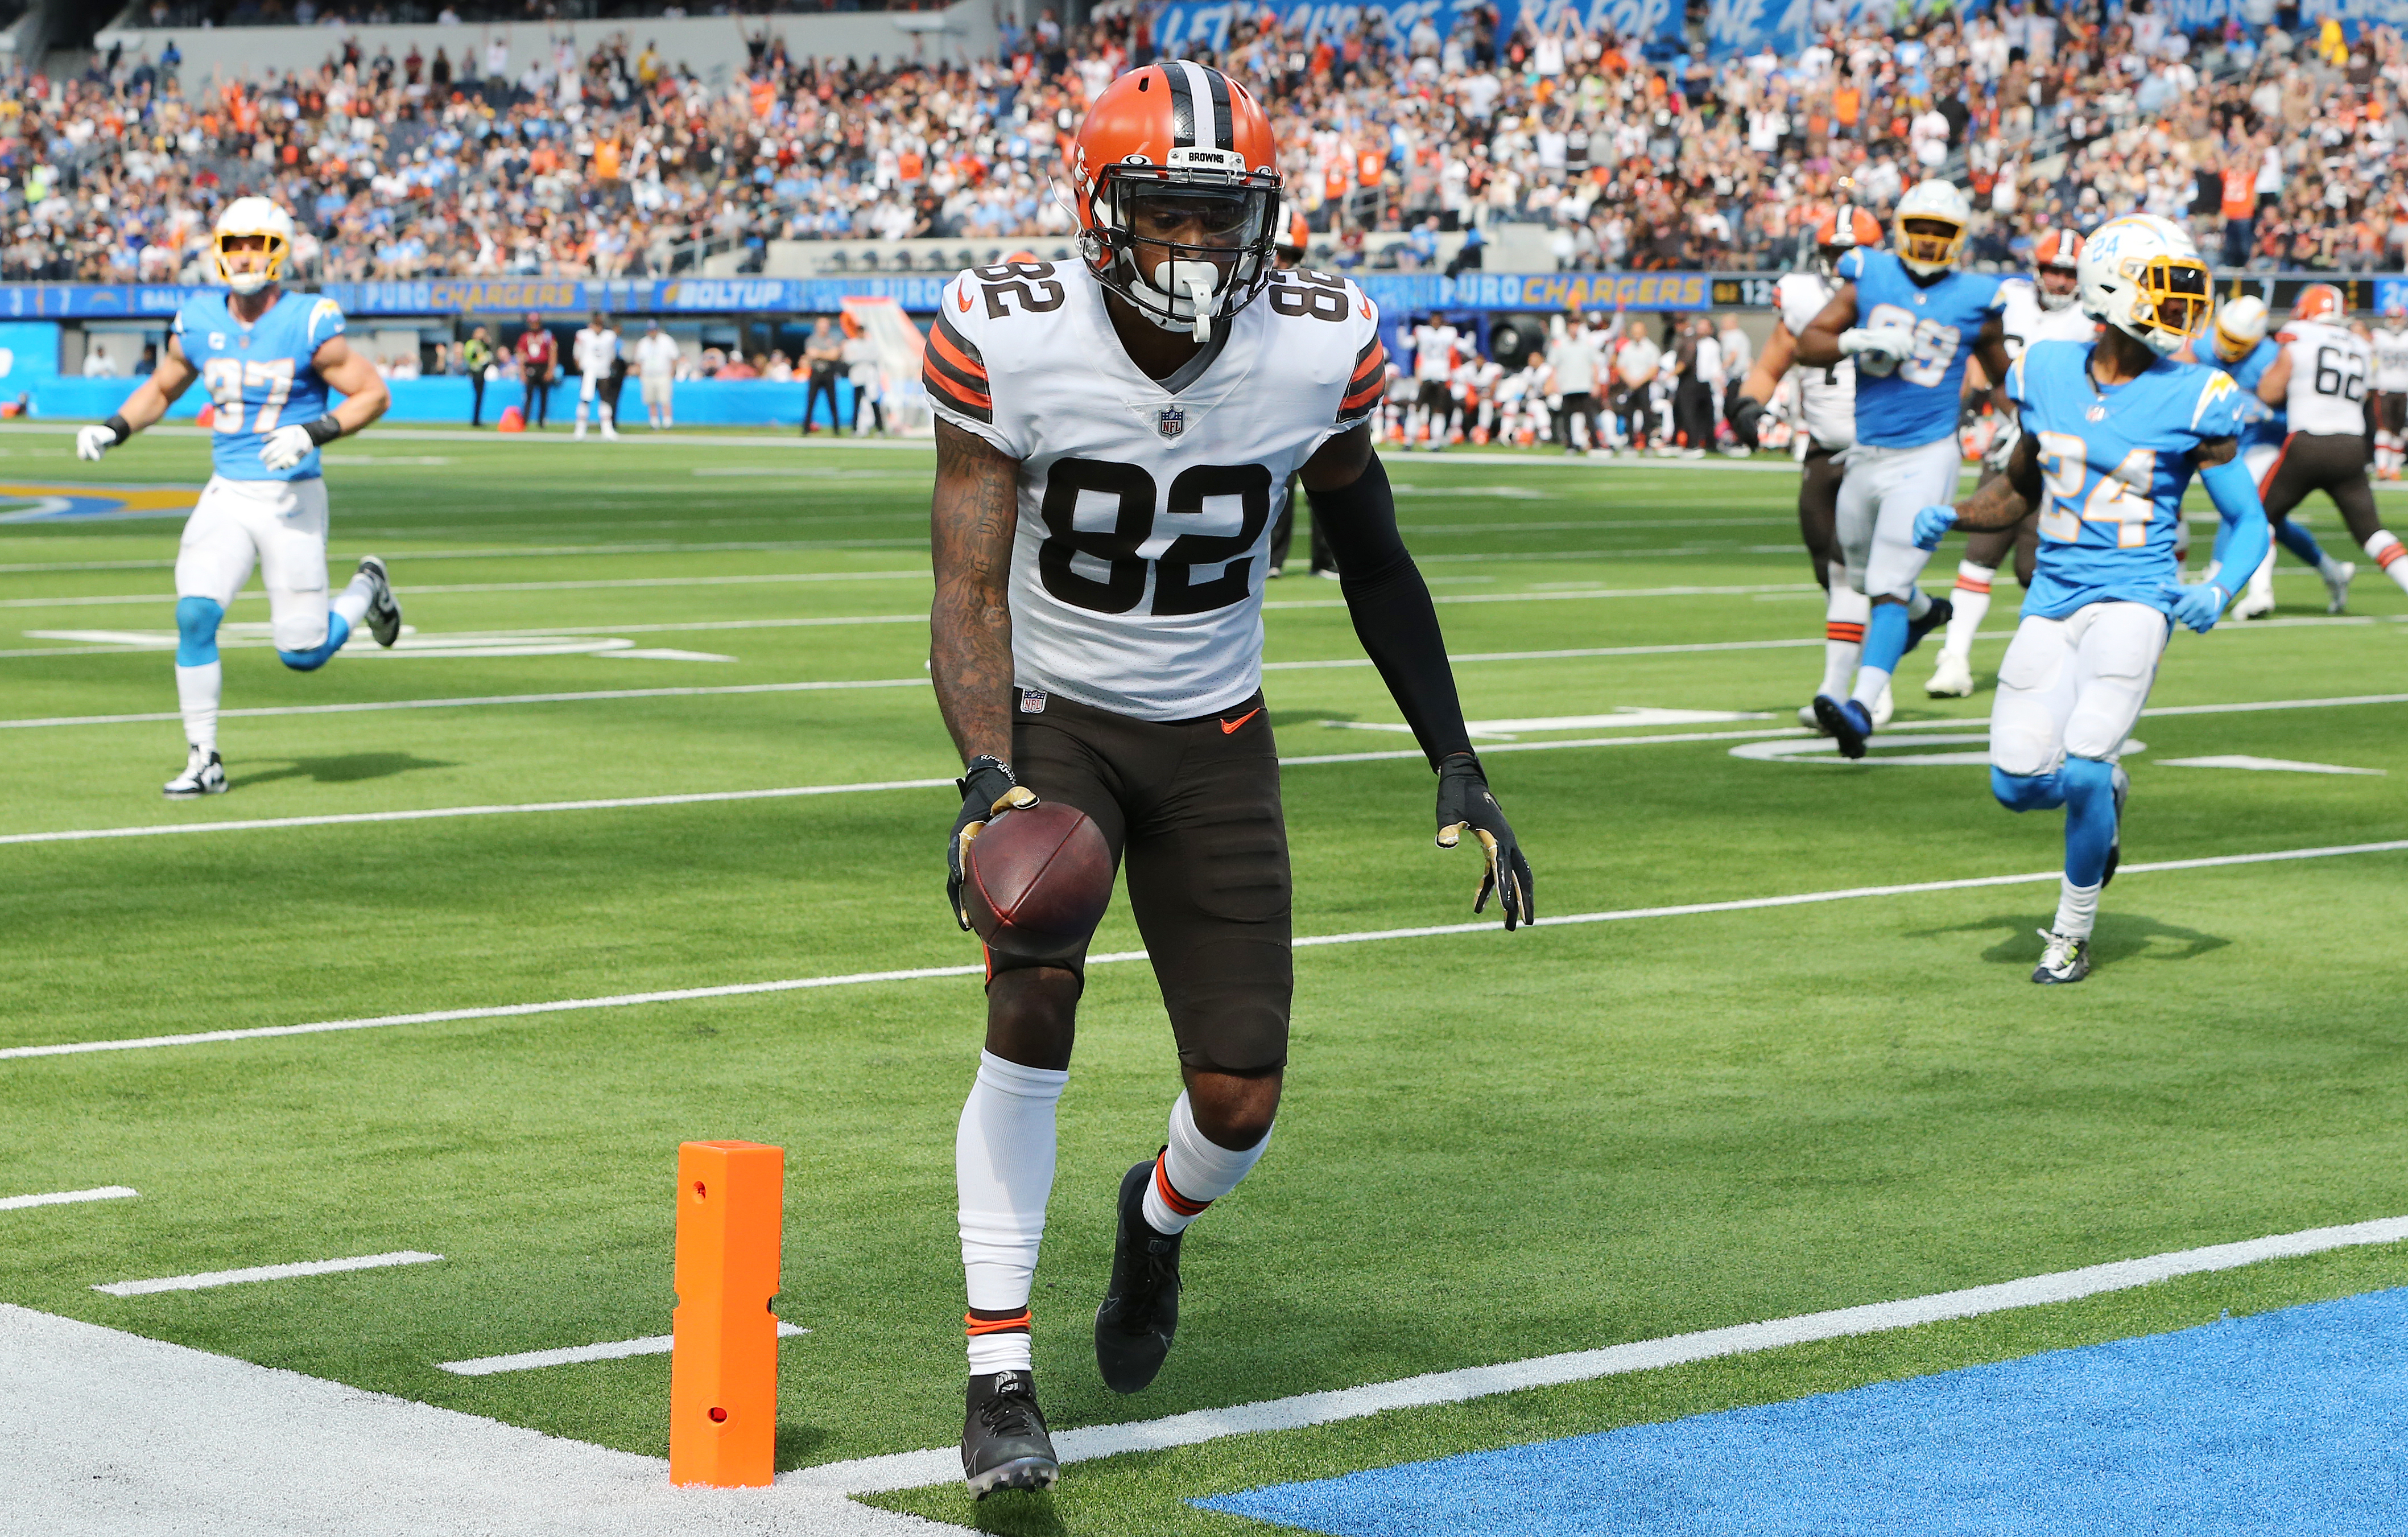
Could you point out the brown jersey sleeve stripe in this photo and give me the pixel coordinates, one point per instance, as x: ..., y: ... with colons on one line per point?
x: 976, y: 405
x: 958, y: 346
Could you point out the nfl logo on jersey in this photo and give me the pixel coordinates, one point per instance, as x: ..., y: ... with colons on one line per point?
x: 1171, y: 421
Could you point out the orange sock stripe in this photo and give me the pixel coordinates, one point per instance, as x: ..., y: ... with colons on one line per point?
x: 2397, y: 551
x: 1967, y: 585
x: 978, y: 1326
x: 1852, y: 635
x: 1171, y: 1198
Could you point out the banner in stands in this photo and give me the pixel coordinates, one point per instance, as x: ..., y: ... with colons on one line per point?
x: 1184, y: 24
x: 1736, y: 28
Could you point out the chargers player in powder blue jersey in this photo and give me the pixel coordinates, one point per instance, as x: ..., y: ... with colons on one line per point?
x: 2112, y: 435
x: 2238, y: 345
x: 1912, y: 320
x: 270, y: 362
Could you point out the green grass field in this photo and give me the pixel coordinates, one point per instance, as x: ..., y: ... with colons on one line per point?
x: 1492, y: 1147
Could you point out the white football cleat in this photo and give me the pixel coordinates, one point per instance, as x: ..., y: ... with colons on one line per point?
x: 2337, y: 578
x: 1953, y: 679
x: 203, y: 775
x: 1812, y: 722
x: 2254, y: 604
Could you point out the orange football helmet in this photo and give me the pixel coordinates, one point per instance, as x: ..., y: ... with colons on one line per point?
x: 1842, y: 230
x: 2320, y: 302
x: 2058, y: 250
x: 1178, y: 158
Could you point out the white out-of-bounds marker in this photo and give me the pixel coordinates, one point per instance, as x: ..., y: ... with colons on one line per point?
x: 68, y: 1198
x: 615, y: 1350
x: 266, y: 1272
x: 913, y: 1470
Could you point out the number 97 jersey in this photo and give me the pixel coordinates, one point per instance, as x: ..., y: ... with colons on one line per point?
x: 259, y: 376
x: 2114, y: 465
x: 1145, y: 506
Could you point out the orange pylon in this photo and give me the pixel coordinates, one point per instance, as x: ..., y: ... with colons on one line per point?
x: 724, y: 1370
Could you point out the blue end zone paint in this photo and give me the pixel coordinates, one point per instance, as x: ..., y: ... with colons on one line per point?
x: 2293, y: 1422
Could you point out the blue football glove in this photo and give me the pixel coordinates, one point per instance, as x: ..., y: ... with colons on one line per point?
x: 1931, y: 525
x: 2197, y: 604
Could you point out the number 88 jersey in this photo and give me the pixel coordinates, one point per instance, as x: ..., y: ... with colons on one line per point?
x: 259, y: 376
x: 2114, y: 465
x: 1145, y: 507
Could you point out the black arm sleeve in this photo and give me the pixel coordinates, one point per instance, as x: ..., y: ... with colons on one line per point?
x: 1394, y: 616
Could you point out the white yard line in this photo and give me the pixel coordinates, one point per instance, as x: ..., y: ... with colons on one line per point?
x: 433, y: 813
x: 266, y: 1272
x: 68, y: 1198
x: 616, y: 1350
x: 937, y: 1465
x: 33, y: 723
x: 509, y: 1010
x: 415, y: 590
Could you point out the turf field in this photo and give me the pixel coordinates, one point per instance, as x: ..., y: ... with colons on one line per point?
x: 1493, y: 1147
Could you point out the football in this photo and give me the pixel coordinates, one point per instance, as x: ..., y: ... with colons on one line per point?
x: 1039, y: 879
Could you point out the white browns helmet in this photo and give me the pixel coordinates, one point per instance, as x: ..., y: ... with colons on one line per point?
x: 1938, y: 202
x: 2239, y: 327
x: 251, y: 218
x: 2142, y: 275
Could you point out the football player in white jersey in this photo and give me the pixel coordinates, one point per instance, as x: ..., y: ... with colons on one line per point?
x: 2043, y: 307
x: 1827, y: 400
x: 2391, y: 391
x: 596, y: 349
x: 1113, y: 437
x: 1434, y: 403
x: 2319, y: 380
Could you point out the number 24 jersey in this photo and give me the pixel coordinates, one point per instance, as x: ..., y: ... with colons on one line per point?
x: 2114, y: 465
x: 1145, y: 507
x: 259, y: 376
x: 1915, y: 403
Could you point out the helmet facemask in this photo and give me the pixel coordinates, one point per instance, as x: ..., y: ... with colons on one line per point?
x: 2057, y: 298
x: 247, y: 282
x: 1185, y: 244
x: 1928, y: 244
x: 2169, y: 303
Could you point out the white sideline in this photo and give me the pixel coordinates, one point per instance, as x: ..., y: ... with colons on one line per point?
x: 104, y: 1433
x: 615, y: 1350
x: 741, y: 990
x: 913, y: 1470
x: 266, y: 1272
x: 68, y: 1198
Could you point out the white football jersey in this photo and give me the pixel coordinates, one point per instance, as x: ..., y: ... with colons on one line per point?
x: 1827, y: 398
x: 2027, y: 320
x: 2391, y: 359
x: 1433, y: 351
x: 2330, y: 365
x: 1145, y: 511
x: 595, y: 351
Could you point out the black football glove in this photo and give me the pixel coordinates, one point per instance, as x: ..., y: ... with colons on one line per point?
x: 1464, y: 801
x: 987, y: 788
x: 1746, y: 419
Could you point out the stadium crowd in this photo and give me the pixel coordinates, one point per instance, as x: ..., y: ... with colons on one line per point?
x: 2275, y: 148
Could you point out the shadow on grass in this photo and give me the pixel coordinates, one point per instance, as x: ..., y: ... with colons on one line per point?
x: 1015, y: 1512
x: 2120, y: 936
x: 347, y: 769
x: 796, y: 1444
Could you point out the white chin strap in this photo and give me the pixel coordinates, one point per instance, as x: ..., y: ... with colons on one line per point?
x: 1188, y: 286
x: 245, y: 284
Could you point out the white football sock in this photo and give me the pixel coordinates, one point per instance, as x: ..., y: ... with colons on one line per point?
x: 197, y: 692
x: 2262, y: 580
x: 1871, y: 684
x: 2181, y: 541
x: 1193, y: 1172
x: 2389, y: 553
x: 1972, y: 600
x: 1844, y: 613
x: 1918, y: 603
x: 1003, y: 1171
x: 2328, y: 568
x: 2077, y: 908
x: 352, y: 601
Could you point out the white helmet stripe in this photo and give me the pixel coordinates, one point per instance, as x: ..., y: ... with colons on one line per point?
x: 1199, y: 91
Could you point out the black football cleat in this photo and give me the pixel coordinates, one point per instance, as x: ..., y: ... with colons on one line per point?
x: 384, y: 610
x: 1004, y: 1442
x: 1846, y: 722
x: 1140, y: 1311
x: 1934, y: 618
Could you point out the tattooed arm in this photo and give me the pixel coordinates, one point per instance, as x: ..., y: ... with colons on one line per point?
x: 2001, y: 503
x: 969, y: 656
